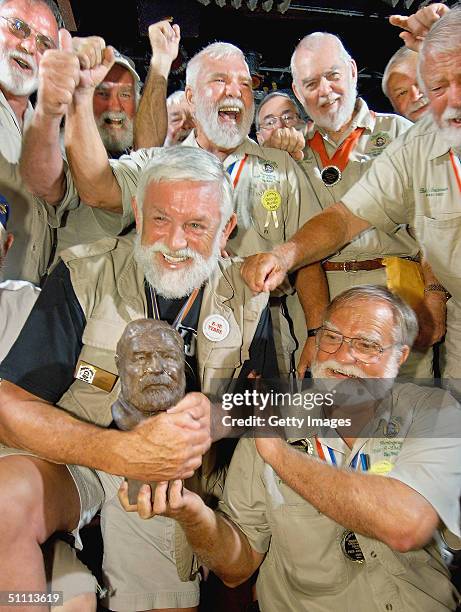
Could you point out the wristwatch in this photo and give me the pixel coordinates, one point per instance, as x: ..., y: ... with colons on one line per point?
x: 437, y: 288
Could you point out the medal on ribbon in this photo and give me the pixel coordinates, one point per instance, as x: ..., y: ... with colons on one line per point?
x: 271, y: 201
x: 333, y: 167
x: 351, y: 547
x: 331, y: 175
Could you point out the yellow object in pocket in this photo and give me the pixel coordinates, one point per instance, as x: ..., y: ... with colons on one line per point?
x: 405, y: 277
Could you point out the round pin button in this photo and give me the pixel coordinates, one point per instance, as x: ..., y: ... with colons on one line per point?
x: 215, y: 328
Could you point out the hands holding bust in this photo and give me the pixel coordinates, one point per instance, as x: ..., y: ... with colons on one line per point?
x: 150, y: 360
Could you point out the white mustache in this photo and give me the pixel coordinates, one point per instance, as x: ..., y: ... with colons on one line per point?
x: 347, y: 370
x: 231, y: 102
x: 451, y: 113
x: 328, y: 99
x: 160, y: 247
x: 26, y: 58
x: 113, y: 116
x: 418, y: 104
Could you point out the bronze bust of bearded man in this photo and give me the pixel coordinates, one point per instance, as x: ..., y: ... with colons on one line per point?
x: 150, y: 362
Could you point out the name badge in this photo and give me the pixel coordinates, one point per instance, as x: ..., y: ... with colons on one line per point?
x: 92, y: 375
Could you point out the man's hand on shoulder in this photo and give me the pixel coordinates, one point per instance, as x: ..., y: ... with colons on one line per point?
x: 416, y: 26
x: 263, y: 271
x: 287, y: 139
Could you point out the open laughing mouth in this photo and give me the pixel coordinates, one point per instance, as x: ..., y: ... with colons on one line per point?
x: 341, y: 374
x: 174, y: 261
x: 229, y: 113
x: 22, y: 63
x: 118, y: 123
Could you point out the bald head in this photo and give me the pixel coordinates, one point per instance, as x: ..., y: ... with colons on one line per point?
x: 150, y: 360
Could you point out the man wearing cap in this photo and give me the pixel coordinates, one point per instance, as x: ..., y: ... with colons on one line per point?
x: 16, y: 297
x: 343, y: 516
x: 272, y: 195
x: 400, y: 85
x: 115, y: 102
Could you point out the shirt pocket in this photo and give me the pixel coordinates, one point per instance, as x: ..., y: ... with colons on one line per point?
x: 440, y: 240
x: 308, y: 545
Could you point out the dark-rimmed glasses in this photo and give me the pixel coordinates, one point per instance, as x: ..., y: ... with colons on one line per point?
x: 23, y: 31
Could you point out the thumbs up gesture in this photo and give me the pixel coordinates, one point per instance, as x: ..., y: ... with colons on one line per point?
x: 59, y: 75
x: 76, y: 67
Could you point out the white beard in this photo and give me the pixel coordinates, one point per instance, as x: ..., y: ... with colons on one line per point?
x: 451, y: 135
x: 115, y: 140
x: 219, y: 133
x: 354, y: 391
x: 13, y: 79
x: 175, y: 283
x: 335, y: 120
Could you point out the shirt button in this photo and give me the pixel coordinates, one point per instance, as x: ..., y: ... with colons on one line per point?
x: 34, y: 248
x: 373, y: 555
x: 388, y: 606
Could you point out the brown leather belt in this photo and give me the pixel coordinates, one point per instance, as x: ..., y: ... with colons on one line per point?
x: 352, y: 266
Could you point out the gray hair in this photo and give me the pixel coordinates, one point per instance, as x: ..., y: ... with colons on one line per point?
x: 277, y: 94
x: 217, y: 50
x: 51, y: 4
x: 179, y: 163
x: 400, y: 57
x: 176, y: 97
x: 405, y: 321
x: 443, y: 37
x: 312, y: 42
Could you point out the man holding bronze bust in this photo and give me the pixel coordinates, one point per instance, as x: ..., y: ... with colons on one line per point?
x: 174, y: 273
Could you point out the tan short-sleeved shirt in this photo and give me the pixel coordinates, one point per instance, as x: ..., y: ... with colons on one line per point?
x: 84, y: 224
x: 379, y: 131
x: 305, y: 568
x: 28, y: 257
x: 269, y: 177
x: 415, y: 182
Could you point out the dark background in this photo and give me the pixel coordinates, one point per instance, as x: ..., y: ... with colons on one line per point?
x: 268, y: 38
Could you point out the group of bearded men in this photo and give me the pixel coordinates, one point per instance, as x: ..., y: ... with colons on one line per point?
x: 272, y: 259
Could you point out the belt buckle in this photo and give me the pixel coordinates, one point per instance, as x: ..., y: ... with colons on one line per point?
x: 347, y: 266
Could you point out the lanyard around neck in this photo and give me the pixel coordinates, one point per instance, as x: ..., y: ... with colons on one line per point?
x: 341, y: 156
x: 181, y: 314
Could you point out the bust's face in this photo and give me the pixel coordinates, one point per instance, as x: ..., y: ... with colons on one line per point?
x: 151, y: 369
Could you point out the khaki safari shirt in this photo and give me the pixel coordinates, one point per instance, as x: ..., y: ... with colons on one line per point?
x: 305, y: 568
x: 380, y: 130
x: 269, y: 179
x: 415, y: 181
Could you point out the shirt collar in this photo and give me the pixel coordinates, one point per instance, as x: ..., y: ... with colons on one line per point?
x: 247, y: 147
x: 363, y: 118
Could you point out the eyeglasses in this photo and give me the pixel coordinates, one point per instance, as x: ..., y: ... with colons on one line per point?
x: 367, y: 351
x: 288, y: 119
x: 23, y: 31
